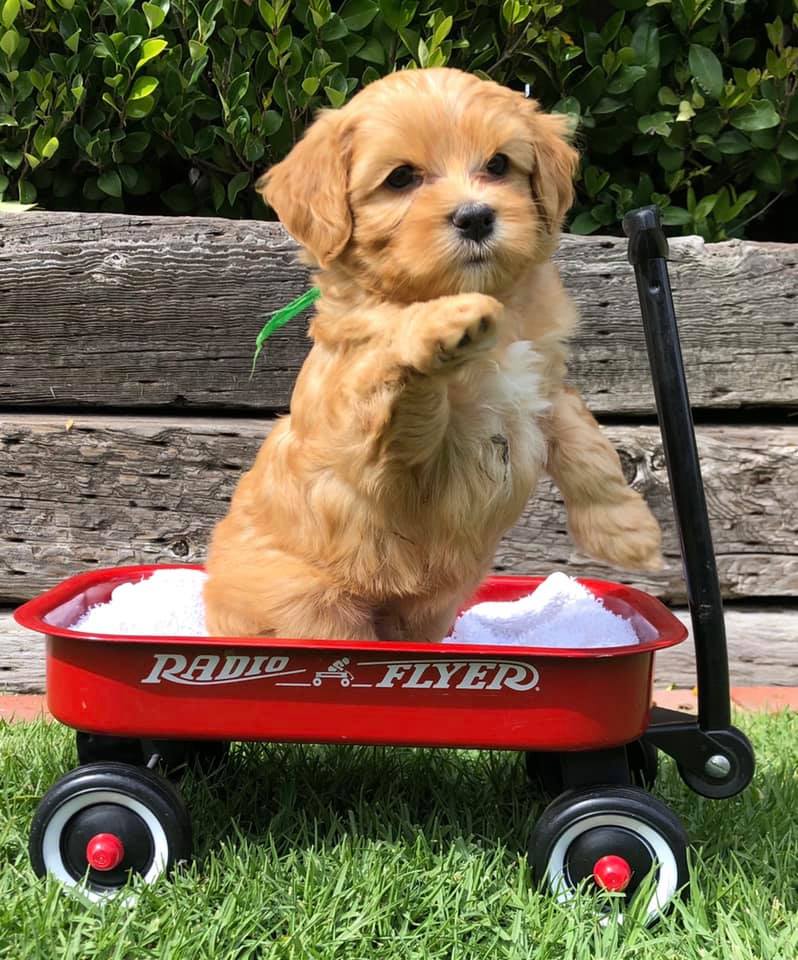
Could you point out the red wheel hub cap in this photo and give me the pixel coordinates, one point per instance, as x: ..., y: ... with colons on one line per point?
x: 612, y: 873
x: 105, y: 851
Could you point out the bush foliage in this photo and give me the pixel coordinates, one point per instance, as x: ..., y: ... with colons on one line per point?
x: 177, y: 105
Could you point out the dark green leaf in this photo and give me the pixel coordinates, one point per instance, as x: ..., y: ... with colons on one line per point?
x: 765, y: 139
x: 705, y: 206
x: 334, y: 29
x: 12, y: 158
x: 179, y: 198
x: 236, y: 185
x: 272, y: 121
x: 669, y: 158
x: 372, y: 51
x: 284, y: 38
x: 610, y: 29
x: 757, y: 115
x: 237, y: 90
x: 136, y: 142
x: 583, y: 223
x: 645, y: 43
x: 788, y: 148
x: 595, y: 180
x: 27, y: 192
x: 594, y: 48
x: 706, y: 69
x: 129, y: 176
x: 708, y: 122
x: 266, y: 11
x: 742, y: 50
x: 732, y: 142
x: 358, y: 14
x: 768, y: 170
x: 110, y: 183
x: 253, y: 149
x: 603, y: 214
x: 590, y: 88
x: 707, y: 146
x: 81, y: 136
x: 741, y: 203
x: 217, y: 193
x: 607, y: 105
x: 675, y: 216
x: 625, y: 79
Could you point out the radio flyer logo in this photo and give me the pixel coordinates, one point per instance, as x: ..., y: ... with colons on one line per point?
x: 206, y: 670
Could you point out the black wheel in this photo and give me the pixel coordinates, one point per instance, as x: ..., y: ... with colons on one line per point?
x: 725, y: 773
x: 105, y: 821
x: 612, y: 837
x: 643, y: 760
x: 177, y: 756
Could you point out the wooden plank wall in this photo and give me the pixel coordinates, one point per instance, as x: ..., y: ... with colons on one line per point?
x: 127, y: 412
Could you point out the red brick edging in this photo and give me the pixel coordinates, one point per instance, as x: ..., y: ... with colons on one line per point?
x: 29, y: 706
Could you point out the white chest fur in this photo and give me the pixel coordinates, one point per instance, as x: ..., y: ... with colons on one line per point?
x: 495, y: 412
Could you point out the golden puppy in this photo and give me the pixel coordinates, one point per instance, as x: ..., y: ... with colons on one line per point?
x: 433, y: 396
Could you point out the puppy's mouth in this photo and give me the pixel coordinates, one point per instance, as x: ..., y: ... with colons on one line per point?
x: 477, y: 254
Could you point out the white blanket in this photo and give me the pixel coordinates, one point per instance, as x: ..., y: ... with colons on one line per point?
x: 560, y: 613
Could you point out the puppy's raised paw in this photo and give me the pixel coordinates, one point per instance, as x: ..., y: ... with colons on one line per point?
x: 625, y: 534
x: 455, y: 328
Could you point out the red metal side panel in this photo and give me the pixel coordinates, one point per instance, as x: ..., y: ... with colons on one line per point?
x: 213, y: 690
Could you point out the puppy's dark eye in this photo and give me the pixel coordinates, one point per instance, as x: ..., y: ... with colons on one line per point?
x: 402, y: 177
x: 498, y: 164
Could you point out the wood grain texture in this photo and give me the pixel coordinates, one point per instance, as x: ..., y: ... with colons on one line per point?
x: 105, y: 491
x: 21, y: 657
x: 119, y: 311
x: 763, y: 650
x: 762, y: 644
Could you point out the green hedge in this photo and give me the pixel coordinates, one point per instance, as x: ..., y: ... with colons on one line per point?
x: 157, y: 106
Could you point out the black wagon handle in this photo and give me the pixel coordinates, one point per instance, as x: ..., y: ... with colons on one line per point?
x: 648, y: 253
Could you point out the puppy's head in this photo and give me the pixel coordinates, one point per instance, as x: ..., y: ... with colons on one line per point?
x: 428, y: 182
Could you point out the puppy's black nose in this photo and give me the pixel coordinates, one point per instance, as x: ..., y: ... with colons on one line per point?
x: 474, y: 220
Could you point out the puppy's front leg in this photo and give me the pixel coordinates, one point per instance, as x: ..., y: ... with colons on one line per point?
x: 439, y: 335
x: 606, y: 518
x: 429, y: 340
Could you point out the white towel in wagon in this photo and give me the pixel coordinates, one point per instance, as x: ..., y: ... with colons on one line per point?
x: 560, y: 613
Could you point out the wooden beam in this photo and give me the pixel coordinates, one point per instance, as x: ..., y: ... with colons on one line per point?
x: 762, y: 644
x: 21, y: 657
x: 762, y: 651
x: 105, y: 491
x: 124, y: 312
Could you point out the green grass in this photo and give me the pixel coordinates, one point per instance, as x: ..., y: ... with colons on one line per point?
x: 321, y: 853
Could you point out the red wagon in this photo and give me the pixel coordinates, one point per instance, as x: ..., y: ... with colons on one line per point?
x: 583, y: 717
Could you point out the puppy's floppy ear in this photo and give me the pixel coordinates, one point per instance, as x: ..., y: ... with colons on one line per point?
x: 308, y: 190
x: 556, y: 162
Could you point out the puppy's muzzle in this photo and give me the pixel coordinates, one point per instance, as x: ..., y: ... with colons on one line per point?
x: 474, y: 221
